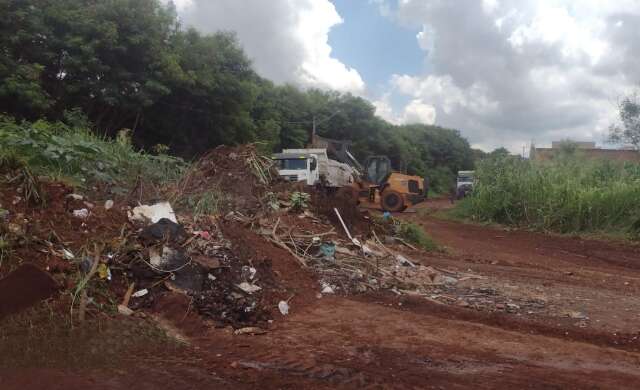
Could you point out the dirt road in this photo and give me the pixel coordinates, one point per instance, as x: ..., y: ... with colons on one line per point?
x: 577, y: 327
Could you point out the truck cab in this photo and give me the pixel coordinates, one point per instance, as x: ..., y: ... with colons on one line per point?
x: 312, y: 166
x: 297, y: 167
x: 464, y: 183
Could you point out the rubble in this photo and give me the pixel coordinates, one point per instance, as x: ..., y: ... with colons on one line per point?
x: 153, y: 213
x: 225, y: 262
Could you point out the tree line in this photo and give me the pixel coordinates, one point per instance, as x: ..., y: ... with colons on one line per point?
x: 131, y: 64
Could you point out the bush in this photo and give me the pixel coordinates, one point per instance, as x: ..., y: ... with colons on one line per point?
x: 416, y: 235
x: 570, y: 194
x: 75, y: 153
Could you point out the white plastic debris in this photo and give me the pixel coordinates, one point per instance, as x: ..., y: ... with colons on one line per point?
x: 75, y: 196
x: 67, y: 254
x: 108, y: 204
x: 140, y: 293
x: 252, y: 273
x: 211, y: 277
x: 160, y: 260
x: 81, y: 213
x: 283, y: 306
x: 153, y: 213
x: 404, y: 261
x: 248, y: 287
x: 327, y: 288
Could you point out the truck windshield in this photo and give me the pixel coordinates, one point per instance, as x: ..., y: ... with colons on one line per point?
x: 465, y: 178
x: 293, y: 164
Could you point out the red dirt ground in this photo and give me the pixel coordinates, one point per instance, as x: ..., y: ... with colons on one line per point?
x: 388, y: 342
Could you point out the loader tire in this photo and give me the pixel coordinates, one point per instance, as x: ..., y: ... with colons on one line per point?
x: 392, y: 201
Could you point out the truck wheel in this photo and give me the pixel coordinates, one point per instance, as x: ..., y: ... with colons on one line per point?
x: 391, y: 201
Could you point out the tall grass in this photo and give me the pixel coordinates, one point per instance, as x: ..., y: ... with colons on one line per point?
x: 75, y: 153
x: 569, y: 194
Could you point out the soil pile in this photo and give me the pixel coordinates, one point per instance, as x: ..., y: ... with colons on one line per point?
x: 238, y: 177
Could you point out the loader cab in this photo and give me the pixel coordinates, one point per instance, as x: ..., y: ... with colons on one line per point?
x: 377, y: 169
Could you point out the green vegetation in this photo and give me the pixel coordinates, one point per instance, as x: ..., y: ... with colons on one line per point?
x: 129, y: 64
x: 299, y: 200
x: 74, y: 153
x: 570, y: 194
x: 210, y: 202
x: 416, y: 235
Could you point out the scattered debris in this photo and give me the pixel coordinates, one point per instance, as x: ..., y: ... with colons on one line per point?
x: 248, y: 287
x: 108, y: 204
x: 140, y: 293
x: 153, y: 213
x: 252, y: 330
x: 283, y: 306
x: 81, y: 213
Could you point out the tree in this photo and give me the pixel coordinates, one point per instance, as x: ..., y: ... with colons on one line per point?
x: 628, y: 130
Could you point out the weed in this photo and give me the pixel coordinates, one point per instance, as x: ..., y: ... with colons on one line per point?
x: 299, y: 200
x: 416, y: 235
x: 210, y: 202
x: 60, y: 150
x: 568, y: 195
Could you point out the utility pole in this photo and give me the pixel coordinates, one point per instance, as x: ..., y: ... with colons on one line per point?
x: 313, y: 131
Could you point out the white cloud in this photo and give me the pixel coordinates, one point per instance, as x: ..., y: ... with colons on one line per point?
x: 287, y: 40
x: 510, y: 71
x: 417, y: 111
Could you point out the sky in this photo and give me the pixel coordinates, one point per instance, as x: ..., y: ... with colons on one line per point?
x: 503, y: 72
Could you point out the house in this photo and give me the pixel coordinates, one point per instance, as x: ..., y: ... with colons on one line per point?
x: 585, y: 149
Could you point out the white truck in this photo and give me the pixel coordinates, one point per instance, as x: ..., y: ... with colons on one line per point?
x: 464, y: 183
x: 312, y: 166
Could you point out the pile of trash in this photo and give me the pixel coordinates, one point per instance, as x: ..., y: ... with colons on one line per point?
x: 195, y: 259
x: 346, y: 264
x: 254, y: 260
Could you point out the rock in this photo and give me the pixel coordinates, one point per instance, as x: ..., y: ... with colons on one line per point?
x: 108, y: 204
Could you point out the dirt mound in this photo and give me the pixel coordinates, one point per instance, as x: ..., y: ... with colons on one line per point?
x: 236, y: 178
x: 66, y: 221
x: 26, y: 286
x: 288, y: 280
x: 324, y: 203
